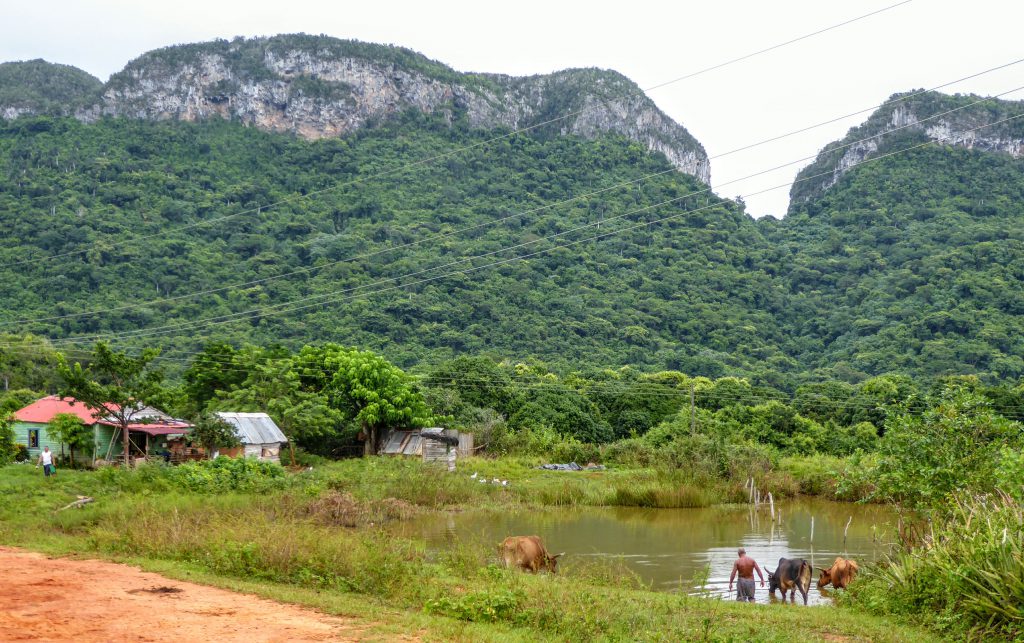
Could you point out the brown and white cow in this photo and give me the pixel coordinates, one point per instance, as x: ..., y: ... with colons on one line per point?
x: 527, y: 552
x: 839, y: 574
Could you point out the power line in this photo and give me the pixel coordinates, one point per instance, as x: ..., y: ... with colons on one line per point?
x: 587, y: 388
x: 278, y: 308
x: 493, y: 222
x: 438, y: 157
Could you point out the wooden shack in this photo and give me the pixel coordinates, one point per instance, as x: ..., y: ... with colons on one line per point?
x: 433, y: 444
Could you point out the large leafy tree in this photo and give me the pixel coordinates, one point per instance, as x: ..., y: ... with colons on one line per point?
x: 364, y: 387
x: 115, y: 385
x: 273, y: 386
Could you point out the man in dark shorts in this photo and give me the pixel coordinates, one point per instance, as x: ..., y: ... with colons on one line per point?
x: 745, y: 566
x: 46, y: 459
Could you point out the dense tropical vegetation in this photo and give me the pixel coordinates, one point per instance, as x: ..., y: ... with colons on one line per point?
x: 166, y: 234
x: 867, y: 347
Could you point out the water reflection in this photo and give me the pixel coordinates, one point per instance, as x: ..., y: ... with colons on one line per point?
x: 668, y: 547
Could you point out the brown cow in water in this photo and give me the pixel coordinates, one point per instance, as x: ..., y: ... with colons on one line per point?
x: 527, y: 552
x: 839, y: 574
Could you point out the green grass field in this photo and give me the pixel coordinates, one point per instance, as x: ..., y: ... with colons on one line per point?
x: 308, y: 540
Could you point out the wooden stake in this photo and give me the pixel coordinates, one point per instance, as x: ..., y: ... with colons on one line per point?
x: 771, y: 503
x: 812, y: 529
x: 846, y: 530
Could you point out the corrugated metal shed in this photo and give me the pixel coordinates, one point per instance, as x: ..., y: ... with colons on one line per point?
x: 254, y: 428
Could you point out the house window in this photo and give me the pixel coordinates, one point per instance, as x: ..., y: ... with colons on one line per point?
x: 33, y: 438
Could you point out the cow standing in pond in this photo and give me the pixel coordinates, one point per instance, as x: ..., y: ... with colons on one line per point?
x: 839, y: 574
x: 789, y: 576
x: 527, y: 552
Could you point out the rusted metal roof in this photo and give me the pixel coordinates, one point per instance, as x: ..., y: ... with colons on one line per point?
x: 254, y: 428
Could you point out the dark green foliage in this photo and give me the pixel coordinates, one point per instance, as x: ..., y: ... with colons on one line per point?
x: 913, y: 264
x: 8, y: 449
x: 966, y: 581
x: 908, y: 265
x: 11, y: 401
x: 26, y: 362
x: 212, y: 432
x: 88, y: 187
x: 954, y: 444
x: 39, y: 87
x: 68, y: 429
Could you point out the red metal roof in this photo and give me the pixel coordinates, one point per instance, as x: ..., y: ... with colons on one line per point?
x: 43, y: 410
x: 161, y: 428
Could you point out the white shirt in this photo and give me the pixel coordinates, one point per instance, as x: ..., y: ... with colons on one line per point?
x: 47, y: 457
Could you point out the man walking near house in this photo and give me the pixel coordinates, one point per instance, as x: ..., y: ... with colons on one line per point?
x: 46, y: 459
x: 745, y: 566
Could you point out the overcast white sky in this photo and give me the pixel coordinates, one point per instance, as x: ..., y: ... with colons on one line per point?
x: 917, y: 45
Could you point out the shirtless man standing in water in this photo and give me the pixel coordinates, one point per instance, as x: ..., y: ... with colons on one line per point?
x: 746, y: 566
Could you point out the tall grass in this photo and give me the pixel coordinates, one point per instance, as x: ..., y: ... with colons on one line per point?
x: 666, y: 496
x: 301, y: 537
x: 966, y: 578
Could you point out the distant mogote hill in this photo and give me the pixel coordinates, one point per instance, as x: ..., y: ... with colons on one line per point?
x: 274, y: 190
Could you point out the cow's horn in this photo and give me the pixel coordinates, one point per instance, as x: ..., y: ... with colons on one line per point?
x: 557, y: 555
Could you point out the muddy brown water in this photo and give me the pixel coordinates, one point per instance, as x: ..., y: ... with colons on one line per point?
x: 672, y: 548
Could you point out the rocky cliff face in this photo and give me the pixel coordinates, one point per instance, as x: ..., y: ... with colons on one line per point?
x: 949, y: 120
x: 317, y: 86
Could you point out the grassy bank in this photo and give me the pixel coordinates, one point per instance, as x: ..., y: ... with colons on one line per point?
x: 527, y: 486
x: 316, y: 539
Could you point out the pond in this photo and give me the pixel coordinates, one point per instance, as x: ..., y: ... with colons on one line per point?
x: 669, y: 548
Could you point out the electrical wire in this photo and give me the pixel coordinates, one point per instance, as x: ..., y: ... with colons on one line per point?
x: 438, y: 157
x: 281, y: 308
x: 485, y: 224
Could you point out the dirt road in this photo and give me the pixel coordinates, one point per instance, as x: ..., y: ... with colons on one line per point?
x: 56, y: 599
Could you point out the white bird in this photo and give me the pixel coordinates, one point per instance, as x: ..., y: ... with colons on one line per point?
x: 483, y: 480
x: 495, y: 481
x: 504, y: 483
x: 473, y: 476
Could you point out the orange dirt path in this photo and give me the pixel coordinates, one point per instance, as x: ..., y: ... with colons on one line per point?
x: 59, y: 599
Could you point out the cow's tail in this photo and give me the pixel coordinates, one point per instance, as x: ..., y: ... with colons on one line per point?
x: 804, y: 579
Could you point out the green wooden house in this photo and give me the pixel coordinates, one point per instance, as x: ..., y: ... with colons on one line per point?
x: 148, y: 433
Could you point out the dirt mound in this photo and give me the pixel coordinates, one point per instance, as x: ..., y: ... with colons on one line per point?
x: 57, y: 599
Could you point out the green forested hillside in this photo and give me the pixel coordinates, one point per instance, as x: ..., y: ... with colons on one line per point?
x: 912, y: 264
x: 685, y: 293
x: 41, y: 87
x: 915, y: 264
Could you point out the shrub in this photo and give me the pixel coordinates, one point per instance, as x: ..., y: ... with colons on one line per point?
x: 225, y: 474
x: 951, y: 446
x: 542, y: 441
x: 965, y: 579
x: 8, y: 449
x: 630, y: 452
x: 487, y: 606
